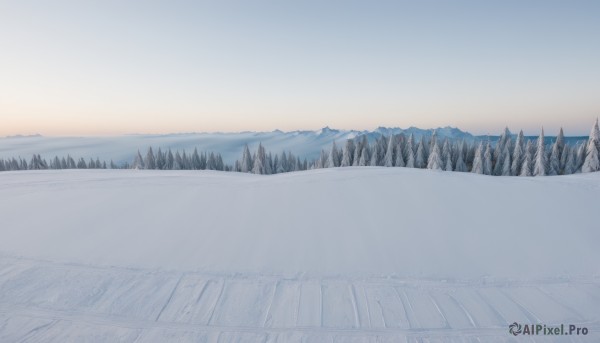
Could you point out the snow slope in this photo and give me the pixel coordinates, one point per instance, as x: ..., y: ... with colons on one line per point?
x: 344, y: 254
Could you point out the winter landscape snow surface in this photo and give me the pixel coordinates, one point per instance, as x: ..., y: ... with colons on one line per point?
x: 331, y: 255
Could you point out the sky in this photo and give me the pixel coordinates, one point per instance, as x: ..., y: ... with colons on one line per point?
x: 114, y: 67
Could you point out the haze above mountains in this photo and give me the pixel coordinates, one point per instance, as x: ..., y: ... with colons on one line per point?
x: 303, y: 143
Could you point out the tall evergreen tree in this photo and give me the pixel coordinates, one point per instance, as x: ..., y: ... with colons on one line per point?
x: 150, y: 162
x: 540, y: 166
x: 460, y: 165
x: 420, y: 159
x: 435, y: 158
x: 506, y: 165
x: 399, y: 158
x: 332, y: 158
x: 478, y: 160
x: 571, y: 160
x: 554, y: 162
x: 138, y: 163
x: 388, y: 160
x: 526, y: 166
x: 195, y: 163
x: 260, y: 161
x: 518, y: 154
x: 487, y: 159
x: 592, y: 162
x: 348, y: 153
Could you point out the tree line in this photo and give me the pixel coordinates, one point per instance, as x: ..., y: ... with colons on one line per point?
x: 511, y: 155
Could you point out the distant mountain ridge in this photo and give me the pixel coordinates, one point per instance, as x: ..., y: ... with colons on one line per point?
x: 303, y: 143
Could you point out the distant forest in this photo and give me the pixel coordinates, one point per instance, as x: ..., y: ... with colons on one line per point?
x: 510, y: 155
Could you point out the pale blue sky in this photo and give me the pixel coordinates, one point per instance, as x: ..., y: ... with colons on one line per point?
x: 111, y: 67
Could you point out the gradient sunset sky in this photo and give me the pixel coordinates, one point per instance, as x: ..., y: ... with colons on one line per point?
x: 112, y: 67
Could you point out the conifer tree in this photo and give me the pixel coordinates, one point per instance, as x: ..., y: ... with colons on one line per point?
x: 399, y: 158
x: 487, y: 159
x: 570, y: 163
x: 506, y: 165
x: 554, y: 162
x: 527, y: 161
x: 518, y: 154
x: 138, y: 163
x: 420, y: 159
x: 388, y: 160
x: 348, y: 153
x: 435, y: 159
x: 332, y: 158
x: 540, y: 167
x: 478, y: 160
x: 150, y: 162
x: 460, y: 166
x: 592, y: 161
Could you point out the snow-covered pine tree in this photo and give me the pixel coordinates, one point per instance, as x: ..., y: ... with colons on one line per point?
x: 592, y: 162
x: 554, y: 161
x: 540, y: 166
x: 260, y: 161
x: 332, y: 158
x: 374, y: 162
x: 83, y: 165
x: 487, y: 159
x: 563, y: 158
x: 203, y: 161
x: 506, y: 165
x: 374, y: 155
x: 570, y: 155
x: 348, y: 153
x: 246, y: 163
x: 283, y: 161
x: 447, y: 154
x: 399, y: 158
x: 560, y: 140
x: 178, y: 163
x: 498, y: 156
x: 388, y: 159
x: 518, y: 154
x: 358, y: 149
x: 460, y: 165
x: 526, y: 166
x: 448, y: 166
x: 150, y: 161
x: 220, y: 164
x: 435, y: 158
x: 195, y: 163
x: 185, y: 162
x: 420, y: 159
x: 170, y: 160
x: 432, y: 142
x: 278, y: 165
x: 409, y: 148
x: 478, y: 160
x: 138, y: 162
x: 364, y: 157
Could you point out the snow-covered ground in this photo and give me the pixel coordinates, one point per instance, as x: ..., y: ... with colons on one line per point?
x: 332, y: 255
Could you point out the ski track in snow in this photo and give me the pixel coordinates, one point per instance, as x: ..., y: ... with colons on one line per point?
x: 43, y: 301
x: 68, y: 274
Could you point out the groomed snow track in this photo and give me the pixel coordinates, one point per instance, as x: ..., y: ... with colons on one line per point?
x: 49, y: 302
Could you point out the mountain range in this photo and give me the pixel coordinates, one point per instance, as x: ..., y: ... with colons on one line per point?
x: 305, y: 144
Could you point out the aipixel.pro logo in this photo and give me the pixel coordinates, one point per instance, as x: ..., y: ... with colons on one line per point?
x: 516, y: 329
